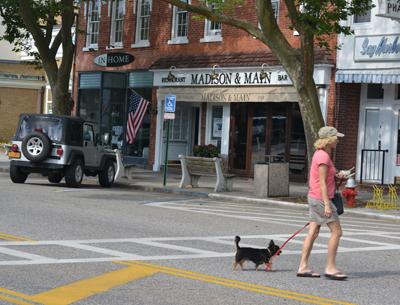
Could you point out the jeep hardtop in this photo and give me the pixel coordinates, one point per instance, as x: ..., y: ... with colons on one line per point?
x: 58, y: 147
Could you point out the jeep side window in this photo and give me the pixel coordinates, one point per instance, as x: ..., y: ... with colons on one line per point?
x: 88, y: 134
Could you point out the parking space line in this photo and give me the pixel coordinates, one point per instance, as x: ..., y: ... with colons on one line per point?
x: 287, y: 294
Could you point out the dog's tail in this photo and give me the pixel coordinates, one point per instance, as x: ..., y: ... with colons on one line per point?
x: 237, y: 239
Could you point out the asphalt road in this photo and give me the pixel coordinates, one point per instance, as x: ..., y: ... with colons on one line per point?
x: 119, y: 246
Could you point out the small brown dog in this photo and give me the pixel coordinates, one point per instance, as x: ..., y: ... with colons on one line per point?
x: 257, y: 256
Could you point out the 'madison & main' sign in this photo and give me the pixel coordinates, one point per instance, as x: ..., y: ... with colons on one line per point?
x: 250, y: 78
x: 114, y: 59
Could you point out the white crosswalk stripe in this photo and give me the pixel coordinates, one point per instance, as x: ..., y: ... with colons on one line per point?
x: 361, y: 235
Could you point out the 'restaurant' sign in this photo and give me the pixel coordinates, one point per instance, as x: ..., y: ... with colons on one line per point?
x: 389, y: 9
x: 114, y: 59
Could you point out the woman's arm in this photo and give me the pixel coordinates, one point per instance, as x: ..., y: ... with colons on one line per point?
x: 323, y: 173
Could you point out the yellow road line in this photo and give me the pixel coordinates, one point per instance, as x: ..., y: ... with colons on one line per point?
x: 15, y: 297
x: 82, y: 289
x: 6, y: 236
x: 241, y: 285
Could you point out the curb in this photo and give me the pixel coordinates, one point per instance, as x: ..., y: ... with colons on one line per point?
x: 166, y: 190
x: 242, y: 199
x: 257, y: 200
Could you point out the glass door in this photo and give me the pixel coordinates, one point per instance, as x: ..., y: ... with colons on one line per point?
x: 239, y: 137
x: 259, y: 130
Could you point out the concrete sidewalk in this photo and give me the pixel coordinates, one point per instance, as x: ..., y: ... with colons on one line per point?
x: 243, y: 191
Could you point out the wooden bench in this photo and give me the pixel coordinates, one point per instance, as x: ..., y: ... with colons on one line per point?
x: 195, y: 167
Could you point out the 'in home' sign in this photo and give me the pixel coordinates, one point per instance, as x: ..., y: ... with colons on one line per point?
x: 114, y: 59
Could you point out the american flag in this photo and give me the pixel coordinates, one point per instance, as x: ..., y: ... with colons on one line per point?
x: 136, y: 111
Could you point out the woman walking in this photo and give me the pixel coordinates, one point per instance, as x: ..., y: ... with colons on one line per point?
x: 322, y: 187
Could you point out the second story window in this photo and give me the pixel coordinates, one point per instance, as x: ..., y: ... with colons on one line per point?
x: 275, y: 8
x: 180, y: 24
x: 143, y: 14
x: 212, y: 29
x: 93, y: 24
x: 366, y: 17
x: 117, y: 23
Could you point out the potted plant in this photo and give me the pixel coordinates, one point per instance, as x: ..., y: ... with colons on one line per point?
x: 206, y: 151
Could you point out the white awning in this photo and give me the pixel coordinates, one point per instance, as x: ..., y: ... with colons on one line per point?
x: 231, y: 94
x: 368, y: 77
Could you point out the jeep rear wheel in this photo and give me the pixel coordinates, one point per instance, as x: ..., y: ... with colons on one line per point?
x: 107, y: 175
x: 16, y: 175
x: 55, y: 177
x: 36, y: 146
x: 74, y: 173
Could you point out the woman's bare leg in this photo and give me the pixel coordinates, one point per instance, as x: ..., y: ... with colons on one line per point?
x: 312, y: 235
x: 333, y: 244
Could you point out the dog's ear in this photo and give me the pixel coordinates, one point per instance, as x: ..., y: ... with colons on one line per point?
x: 271, y: 243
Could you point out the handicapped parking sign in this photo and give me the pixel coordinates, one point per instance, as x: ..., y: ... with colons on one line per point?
x: 170, y: 103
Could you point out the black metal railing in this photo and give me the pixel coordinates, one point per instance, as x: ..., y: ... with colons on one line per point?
x: 373, y: 164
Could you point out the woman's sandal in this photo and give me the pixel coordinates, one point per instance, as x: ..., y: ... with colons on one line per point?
x: 337, y: 276
x: 308, y: 274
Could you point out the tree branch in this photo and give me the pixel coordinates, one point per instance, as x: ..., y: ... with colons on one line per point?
x: 210, y: 15
x: 33, y: 27
x: 293, y: 14
x: 56, y: 43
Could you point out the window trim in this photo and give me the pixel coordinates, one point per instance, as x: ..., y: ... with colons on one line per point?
x: 362, y: 22
x: 139, y: 43
x: 174, y: 28
x: 113, y: 43
x: 208, y: 37
x: 88, y: 14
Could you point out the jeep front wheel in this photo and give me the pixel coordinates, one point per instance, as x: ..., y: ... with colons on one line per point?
x: 16, y: 175
x: 107, y: 175
x: 55, y: 177
x: 74, y: 173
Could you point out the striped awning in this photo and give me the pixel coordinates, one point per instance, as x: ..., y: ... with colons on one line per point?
x: 368, y: 77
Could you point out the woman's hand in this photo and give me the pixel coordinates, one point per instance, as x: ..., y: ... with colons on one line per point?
x: 328, y: 210
x: 341, y: 175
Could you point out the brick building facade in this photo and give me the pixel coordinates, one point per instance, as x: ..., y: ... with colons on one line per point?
x: 213, y: 70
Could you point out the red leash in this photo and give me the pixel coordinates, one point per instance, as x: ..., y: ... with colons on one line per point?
x: 284, y: 244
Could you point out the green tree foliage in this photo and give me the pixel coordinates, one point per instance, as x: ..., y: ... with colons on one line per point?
x: 315, y: 21
x: 25, y: 20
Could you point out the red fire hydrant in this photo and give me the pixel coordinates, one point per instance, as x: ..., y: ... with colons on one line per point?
x: 350, y: 193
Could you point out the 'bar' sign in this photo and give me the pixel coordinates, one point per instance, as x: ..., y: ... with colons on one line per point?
x: 114, y: 59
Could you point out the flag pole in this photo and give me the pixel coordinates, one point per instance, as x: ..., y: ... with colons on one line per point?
x: 166, y: 155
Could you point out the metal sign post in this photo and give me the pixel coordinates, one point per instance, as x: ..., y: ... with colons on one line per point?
x: 166, y: 156
x: 169, y: 114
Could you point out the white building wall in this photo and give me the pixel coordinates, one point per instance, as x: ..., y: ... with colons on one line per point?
x: 378, y: 26
x: 6, y: 52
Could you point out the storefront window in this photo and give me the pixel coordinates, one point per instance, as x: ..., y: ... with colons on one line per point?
x: 278, y: 130
x: 374, y: 91
x: 259, y: 131
x: 216, y: 127
x: 89, y: 105
x: 140, y: 147
x: 397, y: 92
x: 298, y: 150
x: 398, y: 141
x: 238, y: 151
x: 112, y: 115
